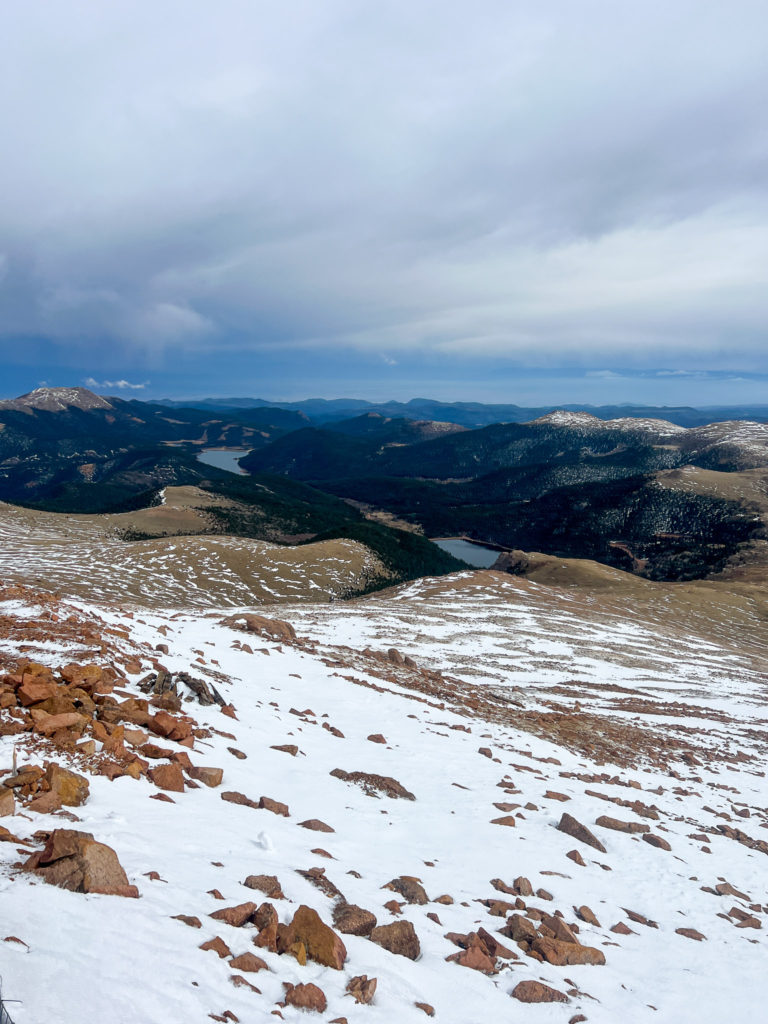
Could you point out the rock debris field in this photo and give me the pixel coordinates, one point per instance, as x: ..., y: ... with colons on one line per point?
x: 472, y: 799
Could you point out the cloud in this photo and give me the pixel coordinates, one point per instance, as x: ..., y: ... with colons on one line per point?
x: 537, y: 183
x: 121, y: 385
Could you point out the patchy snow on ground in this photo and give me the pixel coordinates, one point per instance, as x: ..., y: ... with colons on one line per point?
x: 86, y: 957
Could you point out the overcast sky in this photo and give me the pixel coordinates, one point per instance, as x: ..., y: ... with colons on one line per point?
x: 561, y: 200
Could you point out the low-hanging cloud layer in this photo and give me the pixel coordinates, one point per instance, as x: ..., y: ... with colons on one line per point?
x: 563, y: 183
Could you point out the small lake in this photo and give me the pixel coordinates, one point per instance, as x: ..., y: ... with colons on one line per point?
x: 224, y: 458
x: 474, y: 554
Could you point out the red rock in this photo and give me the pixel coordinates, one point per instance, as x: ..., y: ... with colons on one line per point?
x: 75, y: 861
x: 399, y: 938
x: 690, y: 933
x: 576, y: 857
x: 286, y: 748
x: 167, y: 776
x: 377, y: 738
x: 8, y: 804
x: 248, y: 962
x: 571, y: 827
x: 192, y: 922
x: 622, y: 826
x: 45, y: 803
x: 211, y: 777
x: 315, y: 825
x: 621, y: 929
x: 426, y: 1008
x: 657, y: 841
x: 537, y: 992
x: 305, y: 997
x: 218, y: 946
x: 233, y: 797
x: 585, y: 914
x: 552, y: 795
x: 475, y: 958
x: 506, y: 819
x: 268, y: 884
x: 266, y: 803
x: 353, y: 920
x: 362, y: 988
x: 266, y: 922
x: 71, y: 789
x: 410, y: 889
x: 236, y: 916
x: 564, y: 953
x: 35, y: 691
x: 320, y: 941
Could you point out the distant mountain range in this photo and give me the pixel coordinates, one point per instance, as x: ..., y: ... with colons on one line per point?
x: 566, y: 483
x: 476, y: 414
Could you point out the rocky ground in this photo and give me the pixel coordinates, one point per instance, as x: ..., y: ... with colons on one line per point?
x: 479, y: 798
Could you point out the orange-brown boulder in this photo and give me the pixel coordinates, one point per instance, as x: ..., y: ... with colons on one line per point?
x: 564, y: 953
x: 268, y: 884
x: 315, y: 825
x: 571, y: 827
x: 274, y: 629
x: 409, y: 888
x: 266, y: 803
x: 167, y: 776
x: 71, y: 789
x: 248, y: 962
x: 208, y: 776
x: 34, y: 691
x: 218, y: 946
x: 398, y: 937
x: 353, y: 920
x: 305, y: 997
x: 47, y: 725
x: 537, y: 992
x: 236, y: 916
x: 321, y: 942
x: 75, y: 861
x: 7, y: 803
x: 657, y: 841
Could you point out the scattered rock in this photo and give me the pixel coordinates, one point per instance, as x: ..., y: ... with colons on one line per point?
x: 266, y: 803
x: 71, y: 789
x: 236, y: 916
x: 657, y: 841
x: 398, y: 937
x: 320, y: 941
x: 409, y: 888
x: 537, y: 992
x: 563, y: 953
x: 315, y: 825
x: 234, y: 797
x: 375, y: 784
x: 211, y: 777
x: 218, y: 946
x: 75, y: 861
x: 167, y: 776
x: 305, y: 997
x: 192, y: 922
x: 353, y: 920
x: 248, y: 962
x: 576, y: 830
x: 690, y: 933
x: 268, y: 884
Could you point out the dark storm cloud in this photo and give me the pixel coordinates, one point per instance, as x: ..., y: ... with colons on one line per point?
x: 546, y: 181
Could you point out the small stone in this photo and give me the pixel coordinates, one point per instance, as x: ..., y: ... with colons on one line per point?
x: 266, y: 803
x: 235, y: 916
x: 426, y: 1008
x: 576, y: 857
x: 268, y: 884
x: 192, y: 922
x: 690, y: 933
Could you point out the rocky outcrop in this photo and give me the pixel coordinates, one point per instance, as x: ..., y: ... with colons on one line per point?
x: 75, y: 861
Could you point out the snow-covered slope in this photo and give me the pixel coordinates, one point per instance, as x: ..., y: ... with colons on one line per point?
x: 508, y: 709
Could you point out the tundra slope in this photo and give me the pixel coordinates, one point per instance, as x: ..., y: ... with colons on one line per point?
x: 551, y: 699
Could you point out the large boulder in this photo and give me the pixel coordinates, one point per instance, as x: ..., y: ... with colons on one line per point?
x: 398, y: 937
x: 71, y: 789
x: 75, y: 861
x: 320, y: 942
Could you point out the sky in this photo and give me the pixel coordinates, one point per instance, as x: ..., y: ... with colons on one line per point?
x: 552, y: 201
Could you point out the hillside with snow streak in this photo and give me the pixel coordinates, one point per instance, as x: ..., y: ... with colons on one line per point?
x: 534, y: 797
